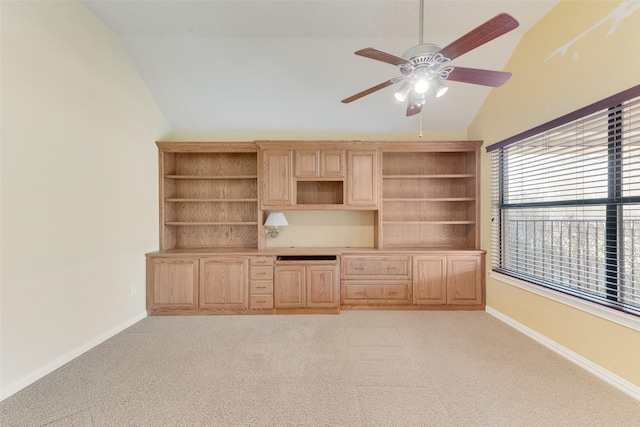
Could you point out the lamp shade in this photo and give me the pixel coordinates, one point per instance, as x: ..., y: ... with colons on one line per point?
x: 276, y: 219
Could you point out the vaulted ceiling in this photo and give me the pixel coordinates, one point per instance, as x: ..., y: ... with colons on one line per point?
x: 268, y: 65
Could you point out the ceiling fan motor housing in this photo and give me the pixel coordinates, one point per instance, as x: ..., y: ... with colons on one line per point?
x: 423, y: 56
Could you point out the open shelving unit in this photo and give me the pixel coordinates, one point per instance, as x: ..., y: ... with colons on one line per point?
x: 209, y: 199
x: 429, y: 195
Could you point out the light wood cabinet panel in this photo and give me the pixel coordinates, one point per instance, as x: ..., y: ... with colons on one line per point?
x: 261, y: 283
x: 357, y: 293
x: 319, y: 164
x: 289, y: 286
x: 430, y: 280
x: 261, y: 287
x: 277, y: 178
x: 376, y: 267
x: 300, y: 285
x: 322, y: 287
x: 307, y: 163
x: 261, y: 301
x: 362, y: 177
x: 172, y: 283
x: 464, y: 280
x: 224, y: 282
x: 332, y: 163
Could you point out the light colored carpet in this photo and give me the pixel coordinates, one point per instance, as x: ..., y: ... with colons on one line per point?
x: 359, y: 368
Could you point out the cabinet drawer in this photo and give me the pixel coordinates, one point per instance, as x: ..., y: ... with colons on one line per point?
x: 261, y: 273
x: 261, y: 301
x: 263, y: 260
x: 376, y: 294
x: 387, y: 267
x: 261, y: 287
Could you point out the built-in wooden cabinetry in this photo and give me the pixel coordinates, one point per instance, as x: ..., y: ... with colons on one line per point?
x: 328, y: 175
x: 214, y: 198
x: 172, y: 284
x: 362, y: 183
x: 306, y: 284
x: 208, y: 195
x: 430, y: 195
x: 379, y: 279
x: 452, y: 279
x: 261, y: 282
x: 184, y: 283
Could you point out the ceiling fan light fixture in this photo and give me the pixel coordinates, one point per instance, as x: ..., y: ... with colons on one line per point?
x: 421, y: 85
x: 402, y: 93
x: 419, y: 99
x: 439, y: 88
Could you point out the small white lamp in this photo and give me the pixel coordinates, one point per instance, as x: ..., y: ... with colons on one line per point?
x: 275, y: 220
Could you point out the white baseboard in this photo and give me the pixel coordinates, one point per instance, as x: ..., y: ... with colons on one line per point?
x: 52, y: 366
x: 597, y: 370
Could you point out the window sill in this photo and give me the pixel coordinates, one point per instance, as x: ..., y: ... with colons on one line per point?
x: 611, y: 315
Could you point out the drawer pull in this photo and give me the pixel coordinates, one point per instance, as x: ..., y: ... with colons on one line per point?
x: 261, y: 287
x: 358, y: 268
x: 261, y: 301
x: 359, y: 293
x: 393, y: 293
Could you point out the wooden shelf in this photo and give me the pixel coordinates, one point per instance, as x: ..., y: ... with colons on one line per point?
x: 430, y: 199
x: 211, y: 177
x: 210, y: 223
x: 438, y: 176
x: 428, y: 222
x: 210, y: 200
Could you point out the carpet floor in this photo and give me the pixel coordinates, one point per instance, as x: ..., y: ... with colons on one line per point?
x: 359, y: 368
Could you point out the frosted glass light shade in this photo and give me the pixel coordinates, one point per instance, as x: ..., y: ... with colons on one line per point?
x: 276, y: 219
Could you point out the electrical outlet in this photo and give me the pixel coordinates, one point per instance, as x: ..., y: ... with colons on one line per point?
x: 134, y: 289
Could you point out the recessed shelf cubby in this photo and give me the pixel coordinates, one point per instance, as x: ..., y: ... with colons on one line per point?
x: 429, y: 195
x: 209, y: 198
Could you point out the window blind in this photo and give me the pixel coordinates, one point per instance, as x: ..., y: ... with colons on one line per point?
x: 566, y: 205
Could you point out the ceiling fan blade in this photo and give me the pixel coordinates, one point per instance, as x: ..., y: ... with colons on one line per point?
x: 379, y: 55
x: 412, y: 109
x: 494, y: 27
x: 369, y: 91
x: 479, y: 77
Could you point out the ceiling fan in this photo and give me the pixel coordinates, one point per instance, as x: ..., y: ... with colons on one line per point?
x: 427, y: 66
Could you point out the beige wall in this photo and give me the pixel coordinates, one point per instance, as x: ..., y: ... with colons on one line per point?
x: 79, y: 187
x: 600, y: 60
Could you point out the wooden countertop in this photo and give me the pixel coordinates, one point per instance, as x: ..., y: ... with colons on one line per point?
x: 203, y: 252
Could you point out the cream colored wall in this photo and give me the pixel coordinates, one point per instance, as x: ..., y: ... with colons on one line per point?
x: 326, y: 229
x: 600, y: 60
x: 79, y: 187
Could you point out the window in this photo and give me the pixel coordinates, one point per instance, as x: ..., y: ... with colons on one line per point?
x: 566, y: 203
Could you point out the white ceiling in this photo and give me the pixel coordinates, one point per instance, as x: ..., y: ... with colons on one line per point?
x: 270, y: 65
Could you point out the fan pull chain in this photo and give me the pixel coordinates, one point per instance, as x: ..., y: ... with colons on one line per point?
x: 420, y: 124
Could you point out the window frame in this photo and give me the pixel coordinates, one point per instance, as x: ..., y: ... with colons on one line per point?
x: 612, y: 204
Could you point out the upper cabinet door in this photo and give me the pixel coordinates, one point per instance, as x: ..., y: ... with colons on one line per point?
x: 327, y: 164
x: 276, y: 178
x: 332, y: 163
x: 307, y: 163
x: 362, y: 187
